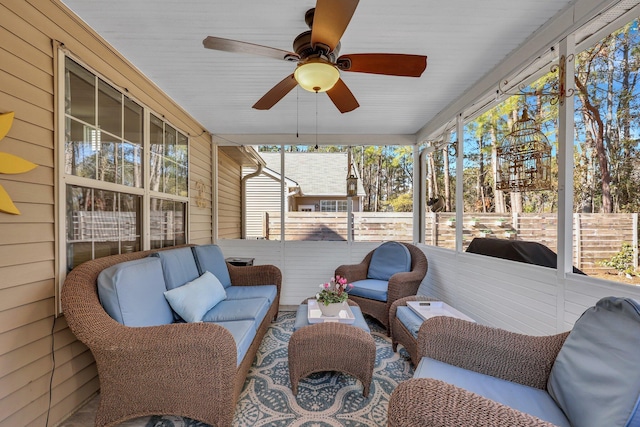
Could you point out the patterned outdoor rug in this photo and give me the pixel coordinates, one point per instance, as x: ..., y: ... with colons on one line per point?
x: 324, y: 399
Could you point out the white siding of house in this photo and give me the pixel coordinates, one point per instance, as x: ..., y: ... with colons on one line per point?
x: 262, y: 195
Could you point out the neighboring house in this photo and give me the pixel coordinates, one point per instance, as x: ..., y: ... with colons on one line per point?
x: 316, y: 182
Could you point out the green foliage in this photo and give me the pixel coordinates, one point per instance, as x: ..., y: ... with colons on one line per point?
x: 622, y: 262
x: 402, y: 203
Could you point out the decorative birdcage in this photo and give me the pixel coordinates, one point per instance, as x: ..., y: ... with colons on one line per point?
x: 524, y: 159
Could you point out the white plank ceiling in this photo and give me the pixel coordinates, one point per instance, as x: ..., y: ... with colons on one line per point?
x: 463, y: 39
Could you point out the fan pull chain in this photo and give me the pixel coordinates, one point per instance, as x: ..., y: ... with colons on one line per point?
x: 316, y: 119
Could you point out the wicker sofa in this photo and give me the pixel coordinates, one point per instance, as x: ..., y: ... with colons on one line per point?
x: 182, y: 368
x: 474, y: 375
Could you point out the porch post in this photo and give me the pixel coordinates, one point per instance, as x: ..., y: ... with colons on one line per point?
x: 459, y: 181
x: 565, y: 174
x: 417, y: 193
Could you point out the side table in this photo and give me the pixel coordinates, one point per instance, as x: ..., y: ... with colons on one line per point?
x: 331, y: 346
x: 240, y: 262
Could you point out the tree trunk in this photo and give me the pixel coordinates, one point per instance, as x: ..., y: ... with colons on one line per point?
x: 498, y: 195
x: 447, y: 180
x: 597, y: 125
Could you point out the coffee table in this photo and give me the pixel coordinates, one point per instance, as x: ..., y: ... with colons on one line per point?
x: 331, y: 346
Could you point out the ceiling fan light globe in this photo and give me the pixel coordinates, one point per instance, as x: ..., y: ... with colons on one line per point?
x: 316, y: 76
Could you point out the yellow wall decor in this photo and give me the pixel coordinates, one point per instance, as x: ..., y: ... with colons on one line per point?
x: 10, y: 164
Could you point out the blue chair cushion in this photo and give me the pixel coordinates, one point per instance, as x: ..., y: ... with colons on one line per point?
x: 388, y: 259
x: 370, y: 288
x: 210, y: 258
x: 595, y: 378
x: 178, y: 266
x: 243, y: 332
x: 193, y: 299
x: 302, y: 318
x: 261, y: 291
x: 240, y: 309
x: 132, y: 293
x: 410, y: 319
x: 530, y: 400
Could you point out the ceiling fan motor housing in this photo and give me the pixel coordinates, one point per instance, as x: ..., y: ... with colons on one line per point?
x: 302, y: 46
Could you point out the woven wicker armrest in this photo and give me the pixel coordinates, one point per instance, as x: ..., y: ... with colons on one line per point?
x: 353, y: 272
x: 186, y: 369
x: 404, y: 284
x: 180, y: 353
x: 426, y: 402
x: 524, y: 359
x: 255, y: 275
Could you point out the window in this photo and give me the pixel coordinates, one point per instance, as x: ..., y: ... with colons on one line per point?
x: 606, y: 151
x: 439, y: 162
x: 104, y: 172
x: 510, y: 213
x: 101, y: 223
x: 316, y: 206
x: 333, y: 205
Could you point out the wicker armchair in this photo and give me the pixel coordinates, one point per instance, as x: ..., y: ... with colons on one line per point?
x: 400, y: 284
x: 186, y: 369
x: 498, y: 353
x: 399, y: 333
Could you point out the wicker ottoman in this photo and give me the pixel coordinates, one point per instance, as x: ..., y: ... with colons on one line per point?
x: 331, y: 346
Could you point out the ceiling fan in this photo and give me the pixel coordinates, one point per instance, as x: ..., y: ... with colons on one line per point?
x: 316, y: 52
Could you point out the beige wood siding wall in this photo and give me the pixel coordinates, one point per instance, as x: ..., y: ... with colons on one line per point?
x: 229, y: 199
x: 200, y: 190
x: 27, y: 241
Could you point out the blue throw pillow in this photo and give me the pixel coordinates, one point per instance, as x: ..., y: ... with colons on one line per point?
x: 595, y: 379
x: 194, y: 299
x: 388, y: 259
x: 132, y: 293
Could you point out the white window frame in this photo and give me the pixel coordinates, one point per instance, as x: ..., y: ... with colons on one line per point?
x: 335, y: 204
x: 62, y: 180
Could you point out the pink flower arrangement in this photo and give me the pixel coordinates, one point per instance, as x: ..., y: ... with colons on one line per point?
x: 336, y: 290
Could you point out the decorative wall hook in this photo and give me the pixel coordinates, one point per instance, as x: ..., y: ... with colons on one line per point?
x: 558, y: 92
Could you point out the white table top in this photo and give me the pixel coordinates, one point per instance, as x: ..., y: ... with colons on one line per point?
x: 429, y: 309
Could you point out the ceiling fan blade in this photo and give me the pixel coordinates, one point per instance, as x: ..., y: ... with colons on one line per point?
x: 227, y: 45
x: 276, y: 93
x: 330, y: 20
x: 342, y: 97
x: 391, y: 64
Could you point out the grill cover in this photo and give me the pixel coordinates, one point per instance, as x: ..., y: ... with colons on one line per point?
x: 516, y: 250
